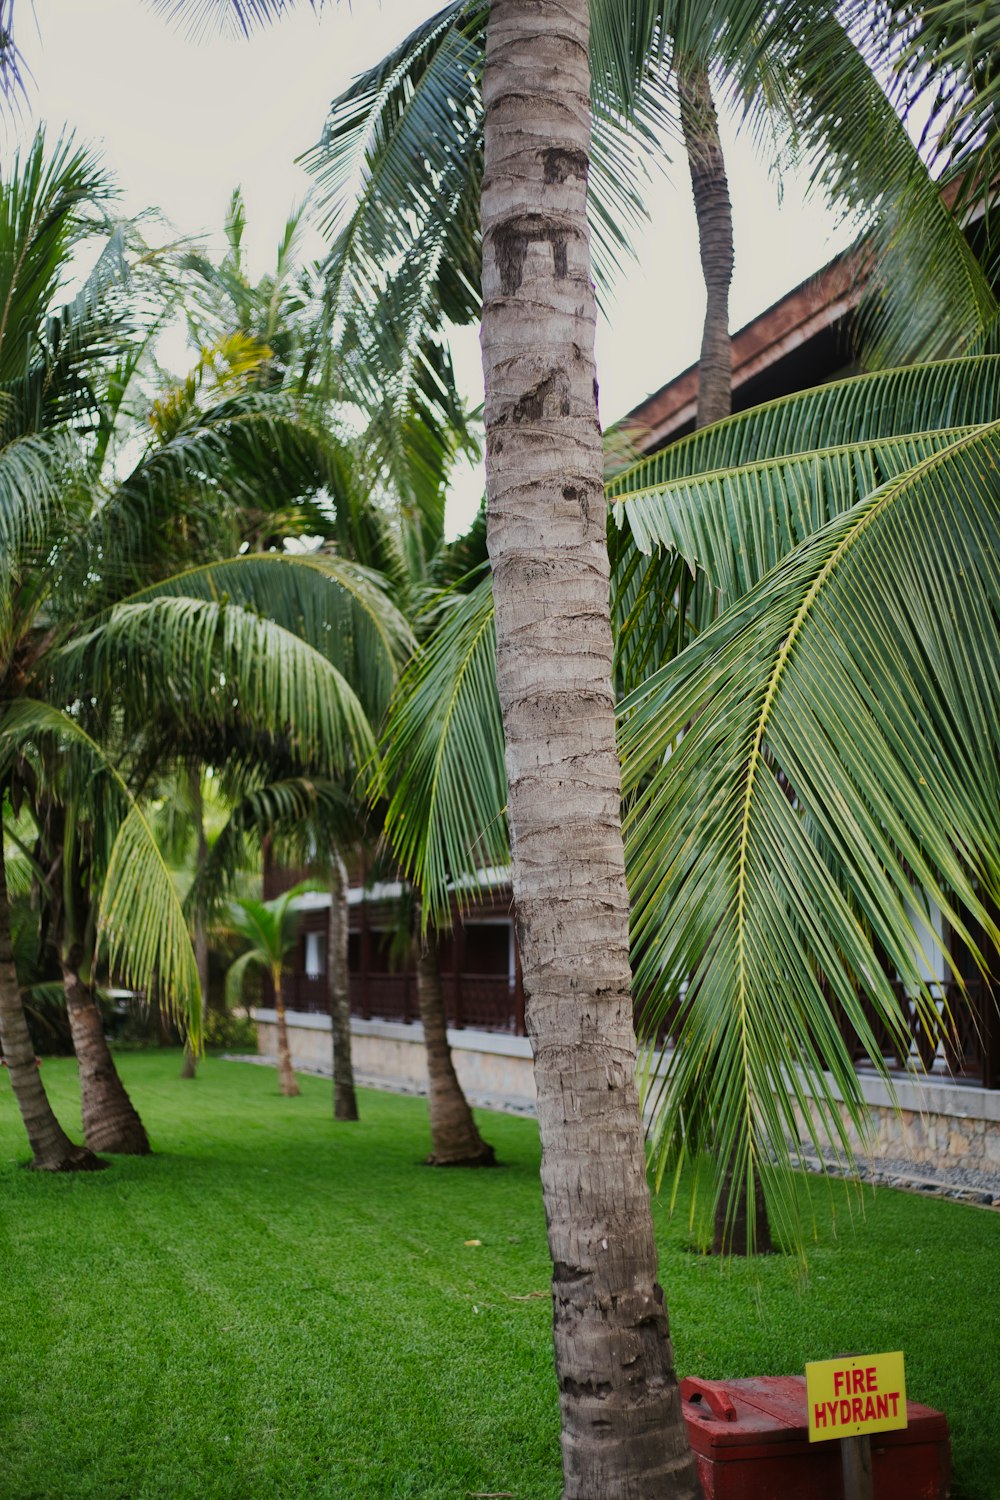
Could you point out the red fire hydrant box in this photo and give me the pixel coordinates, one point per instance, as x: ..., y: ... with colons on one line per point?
x: 751, y: 1441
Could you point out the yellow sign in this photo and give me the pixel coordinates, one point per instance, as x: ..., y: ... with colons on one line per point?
x: 856, y: 1394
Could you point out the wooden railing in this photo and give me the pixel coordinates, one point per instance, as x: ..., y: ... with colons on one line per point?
x: 969, y: 1051
x: 485, y: 1002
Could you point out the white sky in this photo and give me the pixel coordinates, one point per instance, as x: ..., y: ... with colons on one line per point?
x: 182, y: 122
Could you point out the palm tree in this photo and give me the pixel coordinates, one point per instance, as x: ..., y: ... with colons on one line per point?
x: 270, y: 927
x: 73, y: 550
x: 49, y: 205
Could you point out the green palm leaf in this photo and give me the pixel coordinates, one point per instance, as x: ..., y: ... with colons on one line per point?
x: 737, y: 524
x: 863, y: 408
x: 860, y: 673
x: 337, y: 607
x: 444, y: 759
x: 218, y: 661
x: 299, y: 816
x: 929, y: 295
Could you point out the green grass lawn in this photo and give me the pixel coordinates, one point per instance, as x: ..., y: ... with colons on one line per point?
x: 272, y: 1305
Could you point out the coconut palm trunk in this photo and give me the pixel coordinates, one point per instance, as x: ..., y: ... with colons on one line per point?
x: 734, y: 1234
x: 345, y: 1103
x: 189, y: 1067
x: 286, y: 1073
x: 455, y: 1138
x: 110, y: 1120
x: 714, y: 213
x: 622, y: 1429
x: 52, y: 1149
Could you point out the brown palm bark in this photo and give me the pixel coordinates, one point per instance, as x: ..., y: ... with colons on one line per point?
x: 189, y: 1067
x: 345, y: 1102
x: 713, y: 210
x: 714, y: 213
x: 455, y: 1138
x: 733, y: 1232
x: 110, y: 1120
x: 52, y: 1150
x: 286, y: 1073
x: 623, y: 1434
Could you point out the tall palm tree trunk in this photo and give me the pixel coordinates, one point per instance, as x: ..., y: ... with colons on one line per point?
x: 734, y: 1234
x: 52, y: 1149
x: 110, y: 1119
x: 189, y: 1067
x: 455, y: 1138
x: 714, y: 213
x: 345, y: 1102
x: 622, y: 1429
x: 286, y: 1073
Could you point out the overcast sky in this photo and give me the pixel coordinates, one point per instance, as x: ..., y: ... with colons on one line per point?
x: 183, y: 121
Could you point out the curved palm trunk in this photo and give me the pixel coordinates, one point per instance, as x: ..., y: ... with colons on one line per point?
x: 345, y: 1103
x: 286, y: 1074
x: 52, y: 1149
x: 713, y: 210
x: 455, y: 1139
x: 189, y: 1067
x: 110, y: 1120
x: 623, y: 1434
x: 714, y: 213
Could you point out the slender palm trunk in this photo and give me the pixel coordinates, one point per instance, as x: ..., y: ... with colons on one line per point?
x: 189, y: 1067
x: 455, y: 1139
x: 286, y: 1074
x: 734, y: 1234
x: 52, y: 1149
x: 623, y: 1434
x: 345, y: 1103
x: 714, y: 213
x: 110, y: 1120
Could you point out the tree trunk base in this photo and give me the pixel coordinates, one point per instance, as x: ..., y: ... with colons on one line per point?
x: 731, y: 1224
x: 110, y: 1120
x: 484, y: 1157
x: 345, y: 1104
x: 77, y: 1159
x: 189, y: 1067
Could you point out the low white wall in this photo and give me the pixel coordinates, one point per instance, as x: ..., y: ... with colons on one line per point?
x: 937, y: 1121
x: 493, y: 1068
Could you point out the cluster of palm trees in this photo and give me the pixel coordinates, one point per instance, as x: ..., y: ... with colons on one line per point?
x: 154, y: 623
x: 801, y: 682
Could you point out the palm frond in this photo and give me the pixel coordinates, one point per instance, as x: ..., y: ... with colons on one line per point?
x: 818, y: 765
x: 737, y: 524
x: 219, y: 662
x: 236, y: 973
x: 443, y: 752
x: 238, y: 18
x: 337, y: 607
x: 300, y: 817
x: 929, y: 295
x: 943, y: 394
